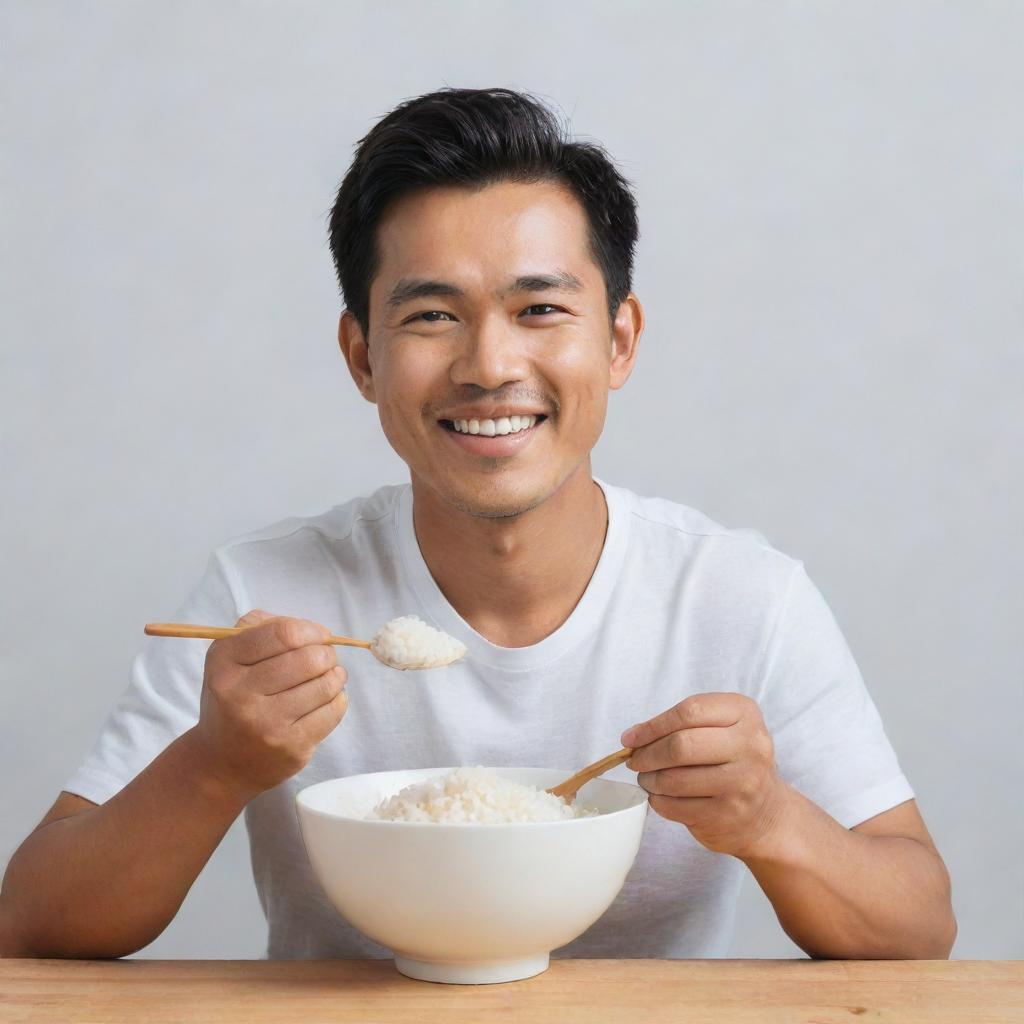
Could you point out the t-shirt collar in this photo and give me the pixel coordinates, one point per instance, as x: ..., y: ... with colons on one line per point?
x: 434, y: 608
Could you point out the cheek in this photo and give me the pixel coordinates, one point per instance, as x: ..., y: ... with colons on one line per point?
x: 405, y: 377
x: 578, y: 372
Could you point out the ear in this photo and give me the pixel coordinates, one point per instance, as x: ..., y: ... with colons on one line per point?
x: 356, y: 350
x: 626, y: 331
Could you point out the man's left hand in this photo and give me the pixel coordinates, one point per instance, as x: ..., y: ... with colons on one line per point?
x: 709, y: 764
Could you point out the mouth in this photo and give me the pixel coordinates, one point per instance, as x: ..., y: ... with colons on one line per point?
x: 506, y: 435
x: 500, y: 427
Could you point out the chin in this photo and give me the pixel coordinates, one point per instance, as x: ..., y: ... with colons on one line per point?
x: 495, y: 503
x: 493, y: 510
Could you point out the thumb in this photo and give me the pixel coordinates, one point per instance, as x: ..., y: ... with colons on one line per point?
x: 251, y: 618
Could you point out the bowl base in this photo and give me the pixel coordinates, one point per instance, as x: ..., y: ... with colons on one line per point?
x: 486, y: 972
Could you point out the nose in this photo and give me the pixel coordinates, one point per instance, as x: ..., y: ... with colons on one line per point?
x: 490, y: 356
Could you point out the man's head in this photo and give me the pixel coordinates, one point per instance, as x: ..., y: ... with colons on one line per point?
x: 486, y: 263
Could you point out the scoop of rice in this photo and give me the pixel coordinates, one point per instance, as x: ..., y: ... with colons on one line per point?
x: 408, y: 642
x: 475, y: 795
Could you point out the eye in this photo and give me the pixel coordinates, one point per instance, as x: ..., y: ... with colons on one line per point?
x: 544, y: 308
x: 429, y: 316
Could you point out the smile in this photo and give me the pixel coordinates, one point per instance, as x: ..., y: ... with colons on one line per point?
x: 499, y: 438
x: 493, y: 428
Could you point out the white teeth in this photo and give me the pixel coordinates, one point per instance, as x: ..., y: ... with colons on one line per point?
x: 492, y: 428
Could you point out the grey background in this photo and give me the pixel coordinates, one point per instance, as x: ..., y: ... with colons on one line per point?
x: 830, y: 199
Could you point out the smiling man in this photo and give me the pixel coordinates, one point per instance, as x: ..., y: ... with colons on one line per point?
x: 486, y: 263
x: 489, y: 348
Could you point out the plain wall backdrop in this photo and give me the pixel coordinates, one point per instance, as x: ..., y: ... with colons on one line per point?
x: 830, y: 200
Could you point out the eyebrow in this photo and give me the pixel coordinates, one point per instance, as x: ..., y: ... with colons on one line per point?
x: 408, y: 289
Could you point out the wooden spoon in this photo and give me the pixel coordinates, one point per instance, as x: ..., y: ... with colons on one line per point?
x: 219, y: 632
x: 567, y: 790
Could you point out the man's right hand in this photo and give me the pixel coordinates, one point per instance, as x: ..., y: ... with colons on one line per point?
x: 270, y: 694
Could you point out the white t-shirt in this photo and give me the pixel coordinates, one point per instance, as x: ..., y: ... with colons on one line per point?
x: 677, y: 605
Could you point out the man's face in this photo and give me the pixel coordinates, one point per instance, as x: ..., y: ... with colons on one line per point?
x: 490, y: 351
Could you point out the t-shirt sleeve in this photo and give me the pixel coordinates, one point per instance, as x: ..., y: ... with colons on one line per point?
x: 830, y: 744
x: 162, y: 698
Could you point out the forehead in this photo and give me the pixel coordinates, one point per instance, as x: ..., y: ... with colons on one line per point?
x: 482, y: 237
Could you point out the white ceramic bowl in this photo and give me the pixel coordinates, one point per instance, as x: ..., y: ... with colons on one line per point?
x: 465, y: 903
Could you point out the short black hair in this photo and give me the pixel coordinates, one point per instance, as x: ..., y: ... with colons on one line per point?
x: 474, y: 138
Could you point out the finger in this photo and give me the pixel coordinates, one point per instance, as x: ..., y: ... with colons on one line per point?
x: 702, y: 709
x: 707, y: 780
x: 300, y: 700
x: 321, y: 721
x: 254, y: 616
x: 689, y: 811
x: 710, y: 745
x: 284, y: 671
x: 271, y: 637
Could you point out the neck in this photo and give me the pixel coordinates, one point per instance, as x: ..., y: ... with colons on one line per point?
x: 516, y: 579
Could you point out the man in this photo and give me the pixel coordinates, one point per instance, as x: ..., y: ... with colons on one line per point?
x: 486, y: 265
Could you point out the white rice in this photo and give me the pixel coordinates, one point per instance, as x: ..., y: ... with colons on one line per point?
x: 478, y: 796
x: 408, y: 642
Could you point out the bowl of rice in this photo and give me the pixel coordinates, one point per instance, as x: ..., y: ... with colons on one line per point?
x: 470, y: 875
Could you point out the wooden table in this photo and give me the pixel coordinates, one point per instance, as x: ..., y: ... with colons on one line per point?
x: 595, y: 991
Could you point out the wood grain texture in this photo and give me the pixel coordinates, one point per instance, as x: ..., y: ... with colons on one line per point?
x: 633, y: 991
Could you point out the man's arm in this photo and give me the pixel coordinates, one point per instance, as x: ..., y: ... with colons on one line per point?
x: 879, y: 891
x: 65, y: 805
x: 104, y: 881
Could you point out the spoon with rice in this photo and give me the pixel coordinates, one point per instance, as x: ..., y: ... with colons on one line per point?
x: 403, y: 643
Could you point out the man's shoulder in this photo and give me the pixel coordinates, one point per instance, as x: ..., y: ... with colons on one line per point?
x: 339, y: 523
x: 670, y: 521
x: 673, y: 545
